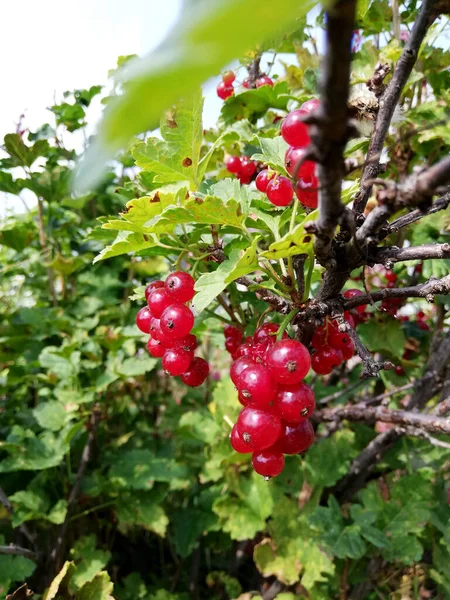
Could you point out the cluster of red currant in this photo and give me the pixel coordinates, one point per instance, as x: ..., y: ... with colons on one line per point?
x: 332, y: 347
x: 169, y: 322
x: 268, y: 375
x: 225, y: 88
x: 242, y: 167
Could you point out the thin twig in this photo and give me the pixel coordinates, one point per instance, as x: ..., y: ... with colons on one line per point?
x: 424, y: 252
x: 371, y: 368
x: 342, y: 393
x: 18, y: 551
x: 390, y: 99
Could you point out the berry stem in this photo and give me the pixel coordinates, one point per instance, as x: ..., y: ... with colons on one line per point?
x: 220, y: 317
x: 270, y: 272
x: 293, y: 215
x: 228, y: 309
x: 308, y: 278
x: 285, y: 322
x: 283, y: 267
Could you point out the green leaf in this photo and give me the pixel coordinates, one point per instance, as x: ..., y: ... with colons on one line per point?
x: 126, y: 243
x: 210, y: 285
x: 133, y: 367
x: 51, y: 415
x: 14, y: 568
x: 296, y: 242
x: 272, y: 153
x: 176, y: 157
x: 16, y: 148
x: 142, y: 509
x: 209, y: 210
x: 88, y: 559
x: 66, y: 266
x: 328, y: 461
x: 53, y: 588
x: 202, y: 43
x: 230, y: 189
x: 253, y: 104
x: 139, y: 469
x: 388, y: 338
x: 243, y: 516
x: 189, y: 525
x: 99, y: 588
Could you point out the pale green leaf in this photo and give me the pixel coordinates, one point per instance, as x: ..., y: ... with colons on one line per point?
x: 272, y: 153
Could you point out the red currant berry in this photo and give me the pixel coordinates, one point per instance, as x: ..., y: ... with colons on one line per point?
x: 266, y: 331
x: 176, y: 361
x: 418, y: 268
x: 242, y: 400
x: 248, y: 167
x: 180, y: 286
x: 155, y: 348
x: 325, y: 360
x: 230, y: 331
x: 295, y: 438
x: 157, y: 334
x: 256, y: 385
x: 320, y: 338
x: 197, y: 372
x: 238, y: 366
x: 294, y: 165
x: 232, y: 345
x: 354, y: 293
x: 420, y: 315
x: 245, y: 350
x: 310, y: 105
x: 348, y: 351
x: 153, y: 285
x: 289, y: 361
x: 350, y: 319
x: 263, y: 178
x: 177, y: 321
x: 143, y: 319
x: 422, y: 325
x: 158, y: 301
x: 268, y: 463
x: 237, y: 443
x: 294, y: 131
x: 228, y: 77
x: 224, y: 91
x: 399, y: 370
x: 264, y: 80
x: 280, y: 191
x: 187, y: 342
x: 246, y: 83
x: 233, y: 164
x: 294, y: 403
x: 339, y: 340
x: 391, y: 276
x: 259, y: 353
x: 307, y: 192
x: 258, y: 428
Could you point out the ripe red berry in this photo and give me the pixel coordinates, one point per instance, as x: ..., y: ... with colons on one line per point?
x: 264, y: 80
x: 310, y: 105
x: 263, y: 178
x: 348, y: 351
x: 420, y: 315
x: 259, y: 429
x: 259, y: 352
x: 320, y: 337
x: 180, y: 286
x: 307, y: 192
x: 268, y: 330
x: 143, y: 319
x: 422, y: 325
x: 157, y: 334
x: 158, y: 301
x: 197, y: 372
x: 354, y: 293
x: 177, y: 321
x: 339, y: 340
x: 155, y: 348
x: 295, y: 438
x: 268, y: 463
x: 187, y: 342
x: 256, y: 385
x: 325, y: 360
x: 399, y: 370
x: 294, y: 403
x: 224, y: 91
x: 289, y: 361
x: 295, y: 167
x: 245, y: 350
x: 248, y: 167
x: 153, y: 285
x: 176, y: 361
x: 294, y: 131
x: 280, y: 191
x: 237, y: 443
x: 350, y: 319
x: 230, y: 331
x: 228, y: 77
x: 233, y: 164
x: 232, y: 345
x: 246, y: 83
x: 238, y: 366
x: 391, y: 276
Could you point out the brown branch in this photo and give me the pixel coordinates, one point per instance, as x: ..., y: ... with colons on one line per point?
x: 330, y: 128
x: 424, y: 252
x: 418, y: 188
x: 390, y: 99
x: 368, y: 414
x: 278, y: 304
x: 428, y: 290
x: 371, y: 368
x: 18, y: 551
x: 58, y: 550
x: 416, y: 215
